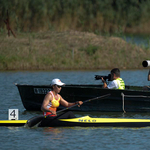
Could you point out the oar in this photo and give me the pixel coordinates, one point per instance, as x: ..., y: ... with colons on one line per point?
x: 35, y: 120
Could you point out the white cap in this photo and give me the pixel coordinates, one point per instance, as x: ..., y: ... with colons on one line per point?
x: 57, y: 82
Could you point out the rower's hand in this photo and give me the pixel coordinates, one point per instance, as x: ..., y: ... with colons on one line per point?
x: 53, y: 112
x: 79, y: 103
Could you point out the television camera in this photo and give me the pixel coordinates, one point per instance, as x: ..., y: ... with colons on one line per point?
x: 99, y: 77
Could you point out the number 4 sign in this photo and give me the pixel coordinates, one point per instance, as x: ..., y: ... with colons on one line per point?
x: 13, y: 114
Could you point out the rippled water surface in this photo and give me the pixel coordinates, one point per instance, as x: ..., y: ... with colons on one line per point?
x: 72, y: 137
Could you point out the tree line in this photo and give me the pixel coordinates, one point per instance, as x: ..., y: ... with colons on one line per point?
x: 83, y: 15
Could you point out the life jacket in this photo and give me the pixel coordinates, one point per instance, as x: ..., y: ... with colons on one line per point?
x: 121, y: 84
x: 52, y: 105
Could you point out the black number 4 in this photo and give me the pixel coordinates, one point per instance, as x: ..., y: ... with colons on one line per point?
x: 13, y: 113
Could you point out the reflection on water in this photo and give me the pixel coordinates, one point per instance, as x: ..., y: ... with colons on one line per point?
x: 54, y: 131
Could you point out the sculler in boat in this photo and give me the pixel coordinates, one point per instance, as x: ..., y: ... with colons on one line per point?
x: 50, y: 103
x: 116, y: 81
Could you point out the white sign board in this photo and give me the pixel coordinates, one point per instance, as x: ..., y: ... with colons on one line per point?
x: 13, y: 114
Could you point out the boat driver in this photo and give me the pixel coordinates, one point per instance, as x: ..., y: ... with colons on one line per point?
x: 116, y: 81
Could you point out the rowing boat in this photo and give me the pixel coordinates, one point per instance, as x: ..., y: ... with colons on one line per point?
x: 15, y: 123
x: 87, y: 121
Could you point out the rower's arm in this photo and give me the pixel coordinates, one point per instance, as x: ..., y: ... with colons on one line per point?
x: 67, y: 104
x: 46, y: 101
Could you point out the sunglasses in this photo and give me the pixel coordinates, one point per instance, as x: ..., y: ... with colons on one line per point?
x: 58, y: 86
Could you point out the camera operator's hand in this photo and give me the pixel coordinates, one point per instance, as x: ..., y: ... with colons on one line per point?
x: 105, y: 84
x: 103, y: 80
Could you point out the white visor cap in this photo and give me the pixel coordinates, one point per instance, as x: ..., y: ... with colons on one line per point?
x: 57, y: 82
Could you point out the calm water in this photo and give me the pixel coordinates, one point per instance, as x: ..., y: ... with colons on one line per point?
x: 74, y: 137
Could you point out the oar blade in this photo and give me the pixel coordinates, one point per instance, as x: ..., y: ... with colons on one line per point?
x: 34, y: 120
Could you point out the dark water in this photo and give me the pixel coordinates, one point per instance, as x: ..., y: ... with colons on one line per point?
x: 72, y: 137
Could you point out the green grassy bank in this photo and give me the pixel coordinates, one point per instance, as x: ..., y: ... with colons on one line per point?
x: 68, y: 50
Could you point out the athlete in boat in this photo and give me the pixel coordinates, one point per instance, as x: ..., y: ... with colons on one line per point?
x: 116, y: 81
x: 52, y: 101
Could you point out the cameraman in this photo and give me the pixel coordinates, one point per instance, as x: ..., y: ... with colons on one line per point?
x: 148, y: 75
x: 148, y: 78
x: 116, y: 81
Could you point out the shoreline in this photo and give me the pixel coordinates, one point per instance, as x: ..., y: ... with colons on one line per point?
x: 71, y: 50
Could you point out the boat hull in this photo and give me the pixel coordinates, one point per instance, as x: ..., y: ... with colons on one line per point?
x: 32, y: 97
x: 87, y: 121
